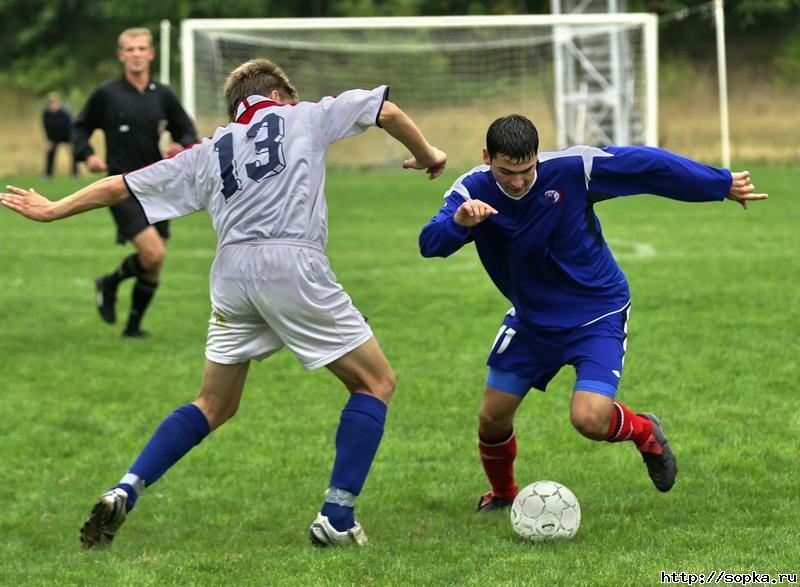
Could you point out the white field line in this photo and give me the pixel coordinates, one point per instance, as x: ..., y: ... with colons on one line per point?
x: 631, y: 249
x: 461, y: 262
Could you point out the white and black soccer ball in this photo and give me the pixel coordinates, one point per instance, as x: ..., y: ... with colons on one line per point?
x: 545, y: 511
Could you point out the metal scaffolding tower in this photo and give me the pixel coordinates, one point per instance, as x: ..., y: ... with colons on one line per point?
x: 595, y: 80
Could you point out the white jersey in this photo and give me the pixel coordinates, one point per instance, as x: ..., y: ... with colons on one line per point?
x: 260, y: 177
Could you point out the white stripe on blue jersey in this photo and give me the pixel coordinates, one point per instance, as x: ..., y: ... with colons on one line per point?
x: 545, y: 250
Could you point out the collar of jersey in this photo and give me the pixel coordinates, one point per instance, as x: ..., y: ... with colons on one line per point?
x: 150, y: 87
x: 518, y: 198
x: 251, y: 105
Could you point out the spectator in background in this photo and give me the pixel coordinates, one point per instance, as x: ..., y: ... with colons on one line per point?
x: 57, y: 122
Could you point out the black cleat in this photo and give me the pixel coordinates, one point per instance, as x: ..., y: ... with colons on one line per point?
x: 108, y: 514
x: 492, y: 503
x: 106, y: 300
x: 658, y: 456
x: 135, y: 333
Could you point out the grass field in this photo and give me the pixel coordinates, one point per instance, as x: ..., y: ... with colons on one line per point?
x: 713, y: 350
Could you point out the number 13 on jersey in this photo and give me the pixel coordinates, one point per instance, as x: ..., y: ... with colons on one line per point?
x: 270, y: 131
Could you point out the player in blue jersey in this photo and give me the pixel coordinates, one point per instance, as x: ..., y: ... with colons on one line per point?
x: 531, y: 217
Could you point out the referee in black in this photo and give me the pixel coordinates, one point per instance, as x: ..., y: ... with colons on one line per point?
x: 132, y: 111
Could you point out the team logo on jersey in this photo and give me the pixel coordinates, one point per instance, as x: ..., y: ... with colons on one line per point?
x: 552, y: 197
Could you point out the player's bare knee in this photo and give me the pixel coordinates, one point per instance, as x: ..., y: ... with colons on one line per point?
x: 383, y: 387
x: 590, y: 424
x: 216, y: 412
x: 492, y: 421
x: 218, y: 418
x: 152, y: 259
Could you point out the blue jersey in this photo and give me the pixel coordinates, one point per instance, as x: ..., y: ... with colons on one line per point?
x: 545, y: 250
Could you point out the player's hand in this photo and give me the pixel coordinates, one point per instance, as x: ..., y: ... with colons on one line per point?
x: 434, y: 165
x: 173, y: 149
x: 95, y: 164
x: 472, y: 213
x: 29, y: 203
x: 743, y: 190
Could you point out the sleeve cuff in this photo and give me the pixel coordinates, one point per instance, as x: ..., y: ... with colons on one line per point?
x: 456, y: 229
x: 380, y: 108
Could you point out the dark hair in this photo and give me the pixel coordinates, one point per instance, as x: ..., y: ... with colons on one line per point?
x: 513, y: 136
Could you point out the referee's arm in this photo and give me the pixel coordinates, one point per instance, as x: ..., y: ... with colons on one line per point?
x: 179, y: 125
x: 84, y: 125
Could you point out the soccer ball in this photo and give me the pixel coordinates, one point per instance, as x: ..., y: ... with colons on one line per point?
x: 545, y: 511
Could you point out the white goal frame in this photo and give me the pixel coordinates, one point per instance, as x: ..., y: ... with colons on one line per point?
x: 648, y: 23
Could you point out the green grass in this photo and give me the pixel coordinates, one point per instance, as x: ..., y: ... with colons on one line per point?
x: 713, y: 350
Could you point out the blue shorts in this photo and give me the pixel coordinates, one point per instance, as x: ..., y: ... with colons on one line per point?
x: 523, y: 357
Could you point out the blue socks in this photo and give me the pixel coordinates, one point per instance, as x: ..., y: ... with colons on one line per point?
x: 357, y: 440
x: 341, y: 517
x: 132, y: 495
x: 178, y: 434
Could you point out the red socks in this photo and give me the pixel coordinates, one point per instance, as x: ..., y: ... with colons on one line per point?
x: 497, y: 455
x: 625, y: 425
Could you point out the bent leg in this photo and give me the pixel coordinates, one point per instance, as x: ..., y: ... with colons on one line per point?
x: 590, y: 414
x: 497, y: 446
x: 150, y: 251
x: 178, y: 433
x: 221, y: 391
x: 367, y: 375
x: 187, y: 426
x: 599, y: 417
x: 496, y: 414
x: 366, y: 370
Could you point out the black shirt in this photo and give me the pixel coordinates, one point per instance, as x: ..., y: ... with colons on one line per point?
x: 57, y: 125
x: 132, y: 121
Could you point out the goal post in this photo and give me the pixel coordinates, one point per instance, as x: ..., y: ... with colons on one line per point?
x: 453, y: 74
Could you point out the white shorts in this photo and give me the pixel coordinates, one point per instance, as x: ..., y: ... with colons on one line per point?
x: 267, y: 295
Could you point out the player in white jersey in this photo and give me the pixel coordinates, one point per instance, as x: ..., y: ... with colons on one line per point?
x: 261, y: 179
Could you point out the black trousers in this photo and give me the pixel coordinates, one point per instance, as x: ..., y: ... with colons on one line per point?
x: 51, y: 157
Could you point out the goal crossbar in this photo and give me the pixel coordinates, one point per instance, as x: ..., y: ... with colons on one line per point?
x: 647, y: 22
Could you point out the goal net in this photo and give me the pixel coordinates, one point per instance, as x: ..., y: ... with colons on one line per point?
x: 453, y: 75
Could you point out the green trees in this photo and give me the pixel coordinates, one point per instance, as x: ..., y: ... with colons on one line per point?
x: 63, y: 44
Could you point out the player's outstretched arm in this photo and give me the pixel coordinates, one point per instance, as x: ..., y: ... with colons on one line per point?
x: 399, y: 126
x: 743, y: 190
x: 29, y: 203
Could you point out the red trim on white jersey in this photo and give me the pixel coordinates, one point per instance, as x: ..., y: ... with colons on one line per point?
x: 249, y: 106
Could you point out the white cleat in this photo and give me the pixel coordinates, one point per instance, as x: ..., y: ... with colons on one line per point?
x: 108, y: 514
x: 322, y: 533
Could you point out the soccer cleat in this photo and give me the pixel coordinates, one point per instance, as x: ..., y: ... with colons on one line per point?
x: 492, y: 503
x: 106, y: 300
x: 108, y: 514
x: 658, y: 456
x: 135, y: 333
x: 322, y: 533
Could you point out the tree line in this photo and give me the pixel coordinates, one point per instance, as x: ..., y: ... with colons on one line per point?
x: 61, y: 44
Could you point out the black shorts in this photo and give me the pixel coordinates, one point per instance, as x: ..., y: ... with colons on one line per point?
x: 131, y: 220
